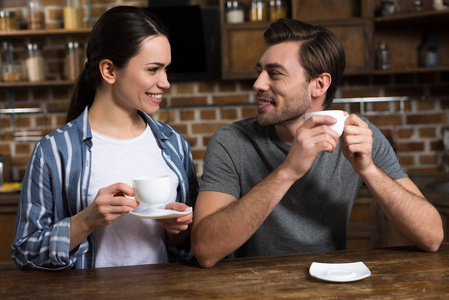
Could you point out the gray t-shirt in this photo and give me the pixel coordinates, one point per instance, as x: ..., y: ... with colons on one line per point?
x: 314, y: 213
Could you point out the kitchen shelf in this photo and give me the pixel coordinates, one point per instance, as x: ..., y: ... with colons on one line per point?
x: 415, y: 18
x: 363, y: 100
x: 18, y: 84
x: 45, y: 32
x: 411, y: 70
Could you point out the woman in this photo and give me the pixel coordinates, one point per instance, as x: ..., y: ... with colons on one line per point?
x: 73, y: 211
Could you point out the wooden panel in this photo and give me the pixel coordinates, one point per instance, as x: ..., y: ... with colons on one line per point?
x: 311, y: 10
x: 356, y: 37
x: 243, y: 49
x: 7, y: 224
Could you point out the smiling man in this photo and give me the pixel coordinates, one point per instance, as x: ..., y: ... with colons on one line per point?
x: 277, y: 184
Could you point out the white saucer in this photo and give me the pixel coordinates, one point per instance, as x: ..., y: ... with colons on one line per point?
x: 339, y: 272
x: 157, y: 213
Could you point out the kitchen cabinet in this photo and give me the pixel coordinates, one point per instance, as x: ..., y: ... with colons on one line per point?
x: 354, y: 22
x: 8, y: 211
x: 350, y: 20
x: 403, y: 33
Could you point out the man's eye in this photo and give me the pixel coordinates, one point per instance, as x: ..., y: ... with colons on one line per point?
x: 274, y: 73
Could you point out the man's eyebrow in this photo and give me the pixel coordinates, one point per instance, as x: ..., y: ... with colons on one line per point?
x: 271, y: 66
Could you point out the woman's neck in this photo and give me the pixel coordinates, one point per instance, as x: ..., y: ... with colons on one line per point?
x: 114, y: 121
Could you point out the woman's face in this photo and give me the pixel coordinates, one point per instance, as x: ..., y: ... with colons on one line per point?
x: 142, y: 82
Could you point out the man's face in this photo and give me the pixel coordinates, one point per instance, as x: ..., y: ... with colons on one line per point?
x: 282, y: 88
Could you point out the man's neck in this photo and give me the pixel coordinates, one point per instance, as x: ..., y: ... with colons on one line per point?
x: 287, y: 133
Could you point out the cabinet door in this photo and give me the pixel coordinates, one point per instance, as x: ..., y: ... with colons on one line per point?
x: 357, y: 40
x: 242, y: 47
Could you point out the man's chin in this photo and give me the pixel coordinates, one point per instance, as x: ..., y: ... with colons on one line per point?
x: 262, y: 121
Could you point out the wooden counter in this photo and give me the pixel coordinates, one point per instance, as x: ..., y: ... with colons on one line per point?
x: 396, y: 273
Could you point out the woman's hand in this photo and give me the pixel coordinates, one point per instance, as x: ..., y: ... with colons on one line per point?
x: 109, y: 204
x: 178, y: 224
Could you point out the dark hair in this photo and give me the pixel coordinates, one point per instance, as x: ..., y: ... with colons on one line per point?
x: 117, y: 36
x: 321, y: 51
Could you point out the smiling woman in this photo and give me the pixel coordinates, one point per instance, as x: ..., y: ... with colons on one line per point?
x: 77, y: 185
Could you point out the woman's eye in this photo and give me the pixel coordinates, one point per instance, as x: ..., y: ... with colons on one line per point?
x: 153, y: 70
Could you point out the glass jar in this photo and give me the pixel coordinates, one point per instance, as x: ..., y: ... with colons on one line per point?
x: 383, y: 57
x: 258, y: 11
x: 75, y: 60
x: 234, y: 12
x: 34, y: 62
x: 12, y: 72
x: 36, y: 15
x: 277, y: 10
x: 7, y: 20
x: 73, y: 14
x: 429, y: 51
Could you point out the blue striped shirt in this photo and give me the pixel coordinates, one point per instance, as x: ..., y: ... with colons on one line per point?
x: 55, y: 189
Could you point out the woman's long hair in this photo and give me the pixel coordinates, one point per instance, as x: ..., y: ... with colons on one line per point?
x: 117, y: 36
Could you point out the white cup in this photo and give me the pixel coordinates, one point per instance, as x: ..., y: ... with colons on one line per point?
x: 337, y: 114
x: 152, y: 191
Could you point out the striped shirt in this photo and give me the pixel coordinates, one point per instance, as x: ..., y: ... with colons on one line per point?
x: 55, y: 189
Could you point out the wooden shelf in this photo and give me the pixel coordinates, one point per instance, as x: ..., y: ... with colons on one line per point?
x: 412, y: 70
x: 47, y: 83
x: 29, y: 33
x: 430, y: 16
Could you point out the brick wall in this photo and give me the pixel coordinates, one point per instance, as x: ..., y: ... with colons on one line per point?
x: 198, y: 109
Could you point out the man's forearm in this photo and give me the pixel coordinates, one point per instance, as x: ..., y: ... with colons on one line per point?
x: 407, y: 209
x: 224, y: 231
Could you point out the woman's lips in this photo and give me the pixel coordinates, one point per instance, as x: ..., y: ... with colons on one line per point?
x: 156, y: 98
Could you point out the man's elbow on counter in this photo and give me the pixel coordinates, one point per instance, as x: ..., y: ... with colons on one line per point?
x: 207, y: 263
x: 203, y: 258
x: 433, y: 244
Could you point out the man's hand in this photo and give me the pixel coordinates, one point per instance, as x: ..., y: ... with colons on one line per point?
x: 357, y: 144
x: 313, y: 137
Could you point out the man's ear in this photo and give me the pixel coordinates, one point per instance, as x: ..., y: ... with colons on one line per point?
x: 320, y: 84
x: 107, y: 71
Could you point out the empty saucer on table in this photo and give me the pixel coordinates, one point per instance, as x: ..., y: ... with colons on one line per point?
x: 157, y: 213
x: 339, y: 272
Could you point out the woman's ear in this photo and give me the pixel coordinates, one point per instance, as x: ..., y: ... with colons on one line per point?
x: 107, y: 71
x: 321, y: 84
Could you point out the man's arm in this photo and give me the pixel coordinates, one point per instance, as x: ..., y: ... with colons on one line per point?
x: 401, y: 201
x: 407, y: 209
x: 222, y: 224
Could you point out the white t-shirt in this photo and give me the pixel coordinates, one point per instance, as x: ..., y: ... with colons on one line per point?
x: 128, y: 240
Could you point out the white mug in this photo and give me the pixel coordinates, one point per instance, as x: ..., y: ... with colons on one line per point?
x: 152, y: 191
x: 337, y: 114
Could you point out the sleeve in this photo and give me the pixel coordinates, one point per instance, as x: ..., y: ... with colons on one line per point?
x: 192, y: 179
x: 185, y: 253
x: 384, y: 156
x: 41, y: 241
x: 221, y: 161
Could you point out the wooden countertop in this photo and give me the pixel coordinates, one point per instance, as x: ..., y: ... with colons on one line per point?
x: 396, y: 273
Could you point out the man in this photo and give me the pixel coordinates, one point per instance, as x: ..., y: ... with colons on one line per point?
x: 278, y: 184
